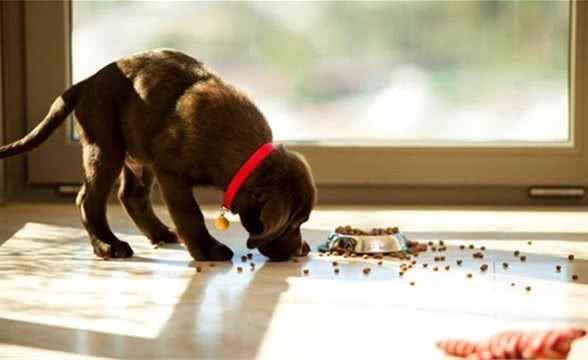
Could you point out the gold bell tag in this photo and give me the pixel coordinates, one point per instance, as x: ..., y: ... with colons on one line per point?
x: 221, y: 222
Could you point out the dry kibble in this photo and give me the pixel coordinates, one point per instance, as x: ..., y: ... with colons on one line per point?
x: 380, y: 262
x: 571, y: 257
x: 212, y: 264
x: 305, y: 271
x: 250, y: 256
x: 471, y: 246
x: 558, y: 268
x: 425, y: 265
x: 574, y: 277
x: 239, y: 269
x: 412, y: 283
x: 462, y: 247
x: 244, y: 258
x: 435, y: 268
x: 430, y: 243
x: 505, y: 265
x: 295, y: 260
x: 512, y: 284
x: 528, y: 288
x: 478, y: 255
x: 436, y: 258
x: 523, y: 258
x: 517, y: 253
x: 366, y: 271
x: 484, y: 267
x: 469, y: 275
x: 335, y: 263
x: 447, y: 268
x: 433, y: 248
x: 366, y: 256
x: 401, y: 273
x: 198, y: 269
x: 320, y: 254
x: 410, y: 266
x: 442, y: 258
x: 529, y: 242
x: 413, y: 262
x: 441, y: 242
x: 336, y: 270
x: 483, y: 248
x: 378, y: 256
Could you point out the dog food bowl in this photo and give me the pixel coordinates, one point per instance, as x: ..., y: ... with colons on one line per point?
x: 365, y: 244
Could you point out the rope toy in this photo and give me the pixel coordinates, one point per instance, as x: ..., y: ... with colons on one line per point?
x: 550, y: 344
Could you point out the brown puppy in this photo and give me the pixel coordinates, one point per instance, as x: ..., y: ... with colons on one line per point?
x: 162, y: 115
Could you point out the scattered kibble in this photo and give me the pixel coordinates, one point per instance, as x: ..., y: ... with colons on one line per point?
x: 239, y: 269
x: 441, y: 242
x: 336, y: 270
x: 558, y: 268
x: 484, y: 267
x: 529, y: 242
x: 517, y: 253
x: 198, y: 268
x: 306, y: 271
x: 212, y: 264
x: 378, y: 256
x: 380, y: 262
x: 412, y: 283
x: 433, y: 248
x: 459, y: 262
x: 400, y: 273
x: 571, y: 257
x: 413, y: 262
x: 435, y: 268
x: 366, y: 256
x: 335, y: 263
x: 462, y: 247
x: 523, y: 258
x: 295, y: 260
x: 483, y: 248
x: 442, y: 258
x: 512, y: 284
x: 478, y: 255
x: 425, y: 265
x: 366, y: 271
x: 471, y: 246
x: 574, y: 277
x: 469, y: 275
x: 436, y: 258
x: 250, y: 256
x: 320, y: 254
x: 505, y: 265
x: 244, y: 258
x: 430, y: 243
x: 447, y: 268
x: 528, y: 288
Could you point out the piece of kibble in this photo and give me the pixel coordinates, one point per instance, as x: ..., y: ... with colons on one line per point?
x: 471, y: 246
x: 212, y: 264
x: 484, y: 267
x: 433, y: 248
x: 305, y: 271
x: 461, y: 247
x: 483, y: 248
x: 517, y: 253
x: 335, y: 263
x: 336, y: 270
x: 459, y: 262
x: 574, y: 277
x: 198, y: 268
x: 478, y: 255
x: 512, y: 284
x: 239, y: 269
x: 505, y: 265
x: 558, y: 268
x: 435, y: 268
x: 320, y: 254
x: 430, y: 243
x: 447, y: 268
x: 400, y: 273
x: 425, y: 265
x: 442, y: 258
x: 436, y: 258
x: 529, y: 242
x: 366, y: 271
x: 571, y: 257
x: 250, y: 256
x: 412, y: 283
x: 441, y: 242
x: 528, y: 288
x: 523, y: 258
x: 378, y: 256
x: 410, y: 266
x: 295, y: 260
x: 413, y: 262
x: 244, y: 258
x: 380, y: 262
x: 469, y: 275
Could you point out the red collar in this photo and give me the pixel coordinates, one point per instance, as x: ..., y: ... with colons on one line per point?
x: 244, y: 171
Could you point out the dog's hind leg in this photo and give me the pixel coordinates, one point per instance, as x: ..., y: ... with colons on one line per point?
x: 135, y: 195
x: 102, y: 165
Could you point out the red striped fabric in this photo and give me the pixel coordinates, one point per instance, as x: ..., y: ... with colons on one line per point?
x: 550, y: 344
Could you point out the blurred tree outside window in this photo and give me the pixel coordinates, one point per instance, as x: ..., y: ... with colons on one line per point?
x: 361, y: 72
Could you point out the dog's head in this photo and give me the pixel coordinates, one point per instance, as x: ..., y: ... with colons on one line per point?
x: 276, y: 199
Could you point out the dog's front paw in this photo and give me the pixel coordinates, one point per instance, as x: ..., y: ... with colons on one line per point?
x: 219, y: 252
x: 118, y: 249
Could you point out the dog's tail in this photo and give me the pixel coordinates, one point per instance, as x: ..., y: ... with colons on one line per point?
x: 60, y: 109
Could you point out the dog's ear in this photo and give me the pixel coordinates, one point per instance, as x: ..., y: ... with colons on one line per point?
x: 274, y: 217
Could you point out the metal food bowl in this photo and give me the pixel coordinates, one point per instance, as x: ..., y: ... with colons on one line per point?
x: 365, y: 244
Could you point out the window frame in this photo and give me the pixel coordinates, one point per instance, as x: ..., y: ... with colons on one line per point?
x: 441, y: 165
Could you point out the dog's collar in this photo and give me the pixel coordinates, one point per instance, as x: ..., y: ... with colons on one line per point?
x: 244, y: 172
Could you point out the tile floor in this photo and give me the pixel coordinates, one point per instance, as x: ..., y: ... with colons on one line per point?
x: 58, y: 301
